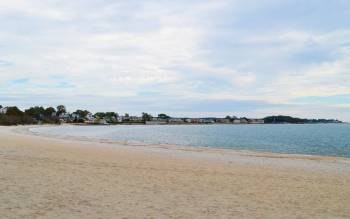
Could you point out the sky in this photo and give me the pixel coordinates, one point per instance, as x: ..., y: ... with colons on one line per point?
x: 185, y: 57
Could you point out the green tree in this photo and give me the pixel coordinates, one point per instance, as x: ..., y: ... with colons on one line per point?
x: 146, y: 116
x: 100, y: 115
x: 36, y: 112
x: 82, y: 113
x: 49, y: 111
x: 14, y: 111
x: 111, y: 114
x: 61, y: 109
x: 163, y: 116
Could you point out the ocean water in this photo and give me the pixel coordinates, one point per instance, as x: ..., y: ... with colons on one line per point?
x: 312, y: 139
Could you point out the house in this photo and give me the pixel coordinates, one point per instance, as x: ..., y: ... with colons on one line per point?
x: 111, y: 119
x: 224, y: 120
x: 206, y: 120
x: 125, y: 118
x: 90, y: 117
x: 195, y: 120
x: 176, y: 120
x: 244, y: 121
x: 75, y: 116
x: 188, y: 120
x: 256, y: 121
x: 102, y: 121
x: 63, y: 116
x: 135, y: 118
x: 156, y: 121
x: 236, y: 121
x: 120, y: 119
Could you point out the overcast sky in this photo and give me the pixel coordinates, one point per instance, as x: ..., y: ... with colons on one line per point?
x: 183, y: 57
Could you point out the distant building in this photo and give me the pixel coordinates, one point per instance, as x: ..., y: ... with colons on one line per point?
x: 135, y: 118
x: 156, y: 121
x: 64, y: 116
x: 120, y: 119
x: 206, y: 121
x: 225, y: 121
x: 123, y: 118
x: 176, y: 120
x: 75, y: 116
x: 236, y: 121
x: 102, y: 122
x: 188, y: 120
x: 256, y: 121
x: 110, y: 119
x: 244, y: 121
x: 90, y: 117
x: 195, y: 120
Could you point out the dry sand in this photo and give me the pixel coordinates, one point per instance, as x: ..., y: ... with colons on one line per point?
x: 50, y: 178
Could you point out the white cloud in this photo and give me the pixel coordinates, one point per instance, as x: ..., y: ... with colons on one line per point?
x: 323, y: 79
x: 181, y: 49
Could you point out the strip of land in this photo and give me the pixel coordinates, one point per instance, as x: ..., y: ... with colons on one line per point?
x: 52, y: 178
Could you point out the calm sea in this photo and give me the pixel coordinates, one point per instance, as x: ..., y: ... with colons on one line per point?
x: 315, y: 139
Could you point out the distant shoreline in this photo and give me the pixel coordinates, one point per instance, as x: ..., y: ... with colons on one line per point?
x: 130, y: 142
x: 111, y: 124
x: 24, y: 130
x: 12, y: 115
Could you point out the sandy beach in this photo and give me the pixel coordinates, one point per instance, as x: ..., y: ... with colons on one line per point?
x: 42, y: 177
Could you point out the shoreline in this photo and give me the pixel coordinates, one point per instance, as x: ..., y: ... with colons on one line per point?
x: 45, y: 177
x: 26, y: 130
x: 220, y: 155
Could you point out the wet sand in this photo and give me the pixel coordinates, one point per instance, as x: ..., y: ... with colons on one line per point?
x: 52, y: 178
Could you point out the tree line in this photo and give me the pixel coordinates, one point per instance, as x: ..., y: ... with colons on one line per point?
x: 293, y: 120
x: 39, y: 115
x: 14, y: 116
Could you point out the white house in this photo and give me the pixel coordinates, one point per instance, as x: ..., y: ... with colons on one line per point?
x: 188, y: 120
x: 236, y: 121
x: 64, y: 117
x: 120, y: 119
x: 206, y: 120
x: 176, y: 120
x: 90, y: 117
x: 102, y: 122
x: 75, y: 116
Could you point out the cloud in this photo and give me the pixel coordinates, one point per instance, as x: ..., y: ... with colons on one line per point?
x: 4, y: 64
x: 176, y: 52
x: 21, y: 81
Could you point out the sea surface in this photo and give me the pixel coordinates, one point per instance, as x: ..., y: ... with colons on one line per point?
x: 311, y: 139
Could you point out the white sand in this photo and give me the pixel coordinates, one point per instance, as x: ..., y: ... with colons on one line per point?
x: 51, y: 178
